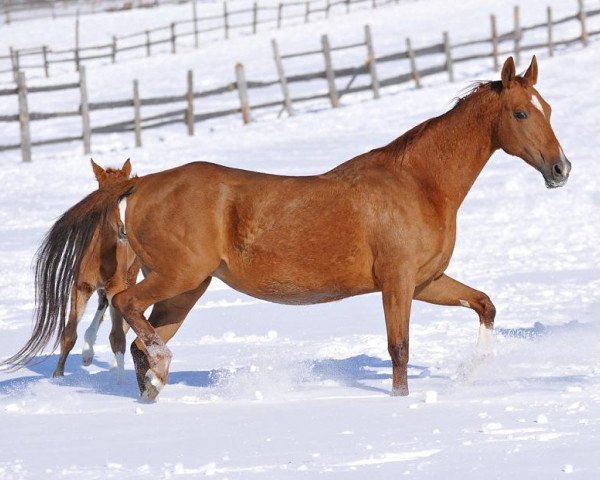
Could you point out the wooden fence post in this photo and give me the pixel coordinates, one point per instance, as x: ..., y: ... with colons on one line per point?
x: 279, y: 14
x: 45, y: 60
x: 24, y: 118
x: 137, y: 118
x: 254, y: 18
x: 333, y: 94
x: 14, y: 61
x: 7, y: 11
x: 17, y: 60
x: 173, y: 39
x: 225, y: 20
x: 148, y: 44
x: 189, y: 96
x: 84, y: 109
x: 413, y: 64
x: 76, y: 53
x: 495, y: 42
x: 195, y: 15
x: 114, y: 49
x: 372, y: 63
x: 517, y: 17
x: 550, y: 33
x: 287, y: 101
x: 582, y: 20
x: 306, y: 11
x: 448, y: 52
x: 240, y: 80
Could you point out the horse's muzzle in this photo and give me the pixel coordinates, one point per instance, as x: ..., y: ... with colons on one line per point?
x: 558, y: 173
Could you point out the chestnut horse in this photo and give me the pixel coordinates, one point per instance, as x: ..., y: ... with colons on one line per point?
x: 384, y: 221
x: 92, y: 278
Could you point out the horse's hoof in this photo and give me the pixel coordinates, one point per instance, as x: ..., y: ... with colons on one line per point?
x: 400, y: 392
x: 58, y: 373
x: 152, y: 386
x: 87, y: 355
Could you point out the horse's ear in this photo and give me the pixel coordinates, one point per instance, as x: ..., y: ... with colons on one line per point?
x: 531, y: 74
x: 99, y: 172
x: 509, y: 72
x: 126, y: 168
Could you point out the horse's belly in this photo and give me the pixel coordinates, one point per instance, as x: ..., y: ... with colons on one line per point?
x: 298, y: 277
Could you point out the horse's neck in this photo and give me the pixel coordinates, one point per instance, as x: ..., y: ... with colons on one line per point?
x: 446, y: 154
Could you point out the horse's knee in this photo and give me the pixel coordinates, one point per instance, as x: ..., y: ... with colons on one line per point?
x: 124, y: 304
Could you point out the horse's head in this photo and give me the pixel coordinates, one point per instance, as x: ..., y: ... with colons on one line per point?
x: 111, y: 175
x: 524, y: 127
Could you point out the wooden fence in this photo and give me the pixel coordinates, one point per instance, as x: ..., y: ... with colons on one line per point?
x: 148, y: 42
x: 495, y: 47
x: 20, y: 10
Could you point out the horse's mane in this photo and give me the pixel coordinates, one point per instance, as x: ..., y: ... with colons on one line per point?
x: 476, y: 87
x: 399, y: 146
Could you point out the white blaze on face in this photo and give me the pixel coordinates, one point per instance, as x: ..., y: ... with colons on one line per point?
x: 537, y: 104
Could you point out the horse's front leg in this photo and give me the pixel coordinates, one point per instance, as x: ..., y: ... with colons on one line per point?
x: 166, y: 317
x: 397, y: 298
x: 447, y: 291
x: 132, y: 303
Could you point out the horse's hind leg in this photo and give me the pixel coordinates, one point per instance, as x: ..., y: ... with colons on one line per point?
x: 117, y: 342
x: 79, y: 299
x: 166, y: 317
x: 447, y: 291
x: 87, y: 354
x: 132, y: 303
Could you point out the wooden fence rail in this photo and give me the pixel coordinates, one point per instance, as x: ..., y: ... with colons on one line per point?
x: 15, y: 11
x: 143, y: 42
x: 187, y: 114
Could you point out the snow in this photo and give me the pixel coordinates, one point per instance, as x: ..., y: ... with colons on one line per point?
x: 259, y: 390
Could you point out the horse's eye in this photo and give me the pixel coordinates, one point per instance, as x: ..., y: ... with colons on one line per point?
x: 520, y: 115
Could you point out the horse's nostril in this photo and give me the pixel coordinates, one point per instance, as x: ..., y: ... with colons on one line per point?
x: 557, y: 169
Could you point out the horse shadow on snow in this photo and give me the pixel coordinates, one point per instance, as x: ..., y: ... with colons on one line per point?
x: 76, y: 375
x: 359, y: 371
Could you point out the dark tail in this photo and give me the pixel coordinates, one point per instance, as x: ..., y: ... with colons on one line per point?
x: 57, y: 266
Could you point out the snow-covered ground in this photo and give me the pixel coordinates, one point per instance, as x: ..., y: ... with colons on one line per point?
x: 259, y: 390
